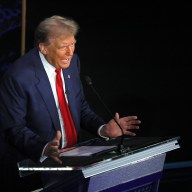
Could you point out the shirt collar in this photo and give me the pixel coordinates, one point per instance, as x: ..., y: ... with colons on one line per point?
x: 50, y: 69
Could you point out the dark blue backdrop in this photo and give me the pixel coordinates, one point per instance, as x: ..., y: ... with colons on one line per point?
x: 10, y: 32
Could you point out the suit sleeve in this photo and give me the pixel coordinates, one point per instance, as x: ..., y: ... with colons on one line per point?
x: 13, y: 111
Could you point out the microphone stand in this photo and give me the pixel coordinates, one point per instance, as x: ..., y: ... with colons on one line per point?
x: 121, y: 148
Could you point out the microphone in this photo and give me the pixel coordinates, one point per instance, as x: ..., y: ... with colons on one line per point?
x: 121, y: 148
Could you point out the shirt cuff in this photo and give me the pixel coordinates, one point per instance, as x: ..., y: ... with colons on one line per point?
x: 43, y: 157
x: 99, y: 132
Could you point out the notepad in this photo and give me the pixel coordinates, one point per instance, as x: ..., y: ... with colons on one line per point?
x: 87, y: 151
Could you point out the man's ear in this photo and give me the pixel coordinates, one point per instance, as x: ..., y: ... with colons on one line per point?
x: 42, y: 48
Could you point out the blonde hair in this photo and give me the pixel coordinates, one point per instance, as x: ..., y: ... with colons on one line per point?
x: 53, y: 27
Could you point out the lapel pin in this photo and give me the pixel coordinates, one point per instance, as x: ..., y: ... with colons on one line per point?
x: 68, y: 76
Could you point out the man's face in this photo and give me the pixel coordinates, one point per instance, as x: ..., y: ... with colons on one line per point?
x: 60, y: 51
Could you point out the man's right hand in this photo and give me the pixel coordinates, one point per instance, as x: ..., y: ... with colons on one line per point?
x: 52, y: 149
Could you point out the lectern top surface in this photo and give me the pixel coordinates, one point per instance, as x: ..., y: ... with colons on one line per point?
x: 104, y: 151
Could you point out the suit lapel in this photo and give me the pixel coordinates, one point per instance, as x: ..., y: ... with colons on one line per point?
x: 45, y: 91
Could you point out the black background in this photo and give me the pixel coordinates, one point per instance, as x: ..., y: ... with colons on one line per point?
x: 139, y: 58
x: 138, y: 55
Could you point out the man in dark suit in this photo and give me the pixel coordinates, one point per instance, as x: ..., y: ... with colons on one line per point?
x: 30, y: 115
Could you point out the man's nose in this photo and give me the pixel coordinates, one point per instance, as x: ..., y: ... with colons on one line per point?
x: 70, y: 50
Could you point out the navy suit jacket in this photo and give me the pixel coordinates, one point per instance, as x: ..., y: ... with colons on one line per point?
x: 28, y: 114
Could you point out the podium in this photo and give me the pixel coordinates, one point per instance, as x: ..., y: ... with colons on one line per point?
x: 139, y: 169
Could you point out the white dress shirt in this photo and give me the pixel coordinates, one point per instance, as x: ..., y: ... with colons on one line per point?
x: 50, y: 70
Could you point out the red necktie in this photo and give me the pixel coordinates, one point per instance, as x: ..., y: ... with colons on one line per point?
x: 70, y: 130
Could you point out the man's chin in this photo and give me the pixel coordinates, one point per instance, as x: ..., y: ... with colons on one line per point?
x: 64, y: 66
